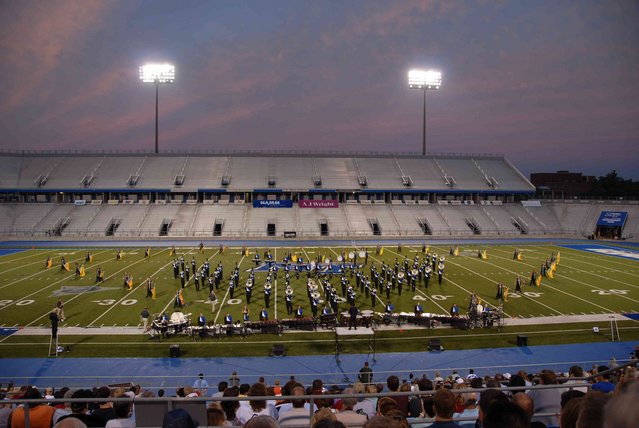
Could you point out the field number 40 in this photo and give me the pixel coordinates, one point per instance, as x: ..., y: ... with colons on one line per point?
x: 610, y: 292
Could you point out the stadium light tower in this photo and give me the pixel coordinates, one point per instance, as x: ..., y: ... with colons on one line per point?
x: 424, y: 79
x: 157, y: 73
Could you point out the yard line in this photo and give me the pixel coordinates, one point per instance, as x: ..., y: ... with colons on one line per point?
x: 22, y: 265
x: 532, y: 300
x: 140, y: 285
x: 582, y: 254
x: 553, y: 288
x: 44, y: 271
x: 452, y: 282
x: 226, y: 294
x: 13, y: 260
x: 580, y: 282
x: 595, y: 274
x: 78, y: 295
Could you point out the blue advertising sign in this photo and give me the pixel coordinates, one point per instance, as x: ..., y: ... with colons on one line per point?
x: 282, y: 203
x: 612, y: 218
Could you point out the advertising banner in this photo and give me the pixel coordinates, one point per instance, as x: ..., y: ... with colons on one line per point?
x: 282, y: 203
x: 612, y: 218
x: 312, y: 203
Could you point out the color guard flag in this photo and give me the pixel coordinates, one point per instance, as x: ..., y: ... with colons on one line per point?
x: 129, y: 282
x: 181, y: 299
x: 91, y: 258
x: 549, y: 273
x: 67, y: 267
x: 505, y: 294
x: 82, y: 273
x: 484, y: 255
x: 294, y: 258
x: 246, y: 252
x: 153, y: 293
x: 456, y: 252
x: 381, y: 251
x: 49, y: 263
x: 558, y: 257
x: 520, y: 256
x: 538, y: 281
x: 553, y: 267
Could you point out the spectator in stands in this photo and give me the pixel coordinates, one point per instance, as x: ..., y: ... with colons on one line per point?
x: 79, y: 410
x: 547, y: 400
x: 323, y: 418
x: 297, y: 414
x: 364, y: 404
x: 256, y: 407
x: 178, y: 418
x: 576, y: 372
x: 397, y: 416
x: 230, y: 407
x: 347, y: 415
x: 415, y: 404
x: 444, y: 406
x: 215, y: 417
x: 105, y: 411
x: 603, y: 383
x: 503, y: 413
x: 392, y: 382
x: 40, y: 415
x: 262, y: 421
x: 382, y: 422
x: 571, y: 394
x: 486, y: 398
x: 622, y: 411
x: 591, y: 414
x: 570, y: 413
x: 221, y: 387
x: 123, y: 412
x: 471, y: 410
x: 528, y: 406
x: 384, y: 404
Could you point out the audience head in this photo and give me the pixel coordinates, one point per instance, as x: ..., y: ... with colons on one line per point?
x: 622, y: 410
x: 503, y: 413
x: 486, y: 398
x: 392, y: 382
x: 569, y: 395
x: 526, y: 403
x: 262, y: 421
x: 591, y: 413
x: 570, y: 412
x: 298, y: 391
x: 382, y: 422
x: 257, y: 390
x: 80, y: 407
x: 444, y: 404
x: 384, y: 404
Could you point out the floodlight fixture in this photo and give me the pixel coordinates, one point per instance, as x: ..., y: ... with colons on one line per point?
x: 157, y: 73
x: 424, y: 80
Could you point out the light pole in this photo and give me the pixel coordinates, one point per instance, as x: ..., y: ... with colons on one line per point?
x: 424, y: 79
x: 157, y: 73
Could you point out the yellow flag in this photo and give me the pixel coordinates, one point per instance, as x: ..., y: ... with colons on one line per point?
x: 82, y: 273
x: 181, y: 299
x: 294, y: 258
x: 484, y: 255
x: 538, y: 281
x: 553, y: 267
x: 520, y: 257
x: 129, y: 282
x: 505, y: 294
x: 66, y: 266
x: 91, y: 258
x: 456, y: 252
x: 49, y: 263
x: 153, y: 293
x: 558, y: 259
x: 549, y: 273
x: 381, y: 251
x: 246, y: 252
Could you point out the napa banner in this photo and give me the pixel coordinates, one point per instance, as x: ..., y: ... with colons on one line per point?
x: 282, y: 203
x: 612, y: 218
x: 313, y: 203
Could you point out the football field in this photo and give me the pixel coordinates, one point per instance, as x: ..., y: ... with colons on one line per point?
x: 586, y: 281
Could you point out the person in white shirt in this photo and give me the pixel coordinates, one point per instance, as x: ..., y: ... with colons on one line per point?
x: 255, y: 407
x: 201, y: 386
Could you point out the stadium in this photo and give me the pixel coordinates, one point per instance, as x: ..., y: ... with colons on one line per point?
x: 357, y: 285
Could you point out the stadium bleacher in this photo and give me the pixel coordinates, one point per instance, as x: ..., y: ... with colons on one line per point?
x: 128, y: 195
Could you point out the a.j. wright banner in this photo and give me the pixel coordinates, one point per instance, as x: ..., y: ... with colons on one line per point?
x: 313, y: 203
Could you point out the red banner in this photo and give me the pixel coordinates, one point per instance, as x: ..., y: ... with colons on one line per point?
x: 313, y: 203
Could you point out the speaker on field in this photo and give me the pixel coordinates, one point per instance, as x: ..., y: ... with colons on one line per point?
x: 435, y: 345
x: 522, y: 340
x: 174, y: 351
x: 278, y: 350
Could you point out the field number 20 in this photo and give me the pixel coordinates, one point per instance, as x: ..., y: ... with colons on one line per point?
x: 610, y: 292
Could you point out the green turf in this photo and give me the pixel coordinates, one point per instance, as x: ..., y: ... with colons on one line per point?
x: 584, y: 283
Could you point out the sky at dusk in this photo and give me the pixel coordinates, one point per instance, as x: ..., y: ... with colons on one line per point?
x: 550, y: 84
